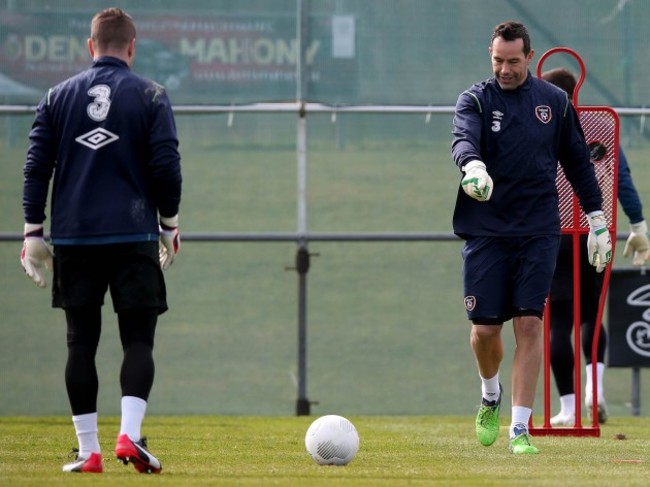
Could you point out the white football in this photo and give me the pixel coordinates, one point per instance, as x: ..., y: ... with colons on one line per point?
x: 332, y: 440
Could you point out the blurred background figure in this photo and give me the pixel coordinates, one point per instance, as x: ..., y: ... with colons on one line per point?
x: 637, y: 247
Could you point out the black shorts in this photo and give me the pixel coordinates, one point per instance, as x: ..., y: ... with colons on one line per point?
x: 504, y: 277
x: 83, y: 274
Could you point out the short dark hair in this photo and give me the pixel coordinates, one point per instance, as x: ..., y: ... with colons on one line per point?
x: 562, y: 78
x: 511, y: 31
x: 112, y: 28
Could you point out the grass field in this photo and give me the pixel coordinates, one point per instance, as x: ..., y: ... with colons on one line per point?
x: 394, y: 451
x: 387, y: 333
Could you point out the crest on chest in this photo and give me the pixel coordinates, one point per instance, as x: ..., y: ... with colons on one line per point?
x: 543, y: 113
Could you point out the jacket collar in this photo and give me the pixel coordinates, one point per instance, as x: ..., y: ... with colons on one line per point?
x: 109, y: 61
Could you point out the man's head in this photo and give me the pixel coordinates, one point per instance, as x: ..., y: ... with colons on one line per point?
x: 562, y: 78
x: 511, y: 54
x: 112, y: 33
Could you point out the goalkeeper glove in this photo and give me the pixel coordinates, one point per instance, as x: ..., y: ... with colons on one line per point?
x: 35, y: 254
x: 599, y: 242
x: 170, y: 241
x: 637, y: 243
x: 477, y: 183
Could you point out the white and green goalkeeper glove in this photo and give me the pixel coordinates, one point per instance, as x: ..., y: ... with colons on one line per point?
x: 170, y: 241
x: 637, y: 243
x: 477, y: 183
x: 35, y: 254
x: 599, y: 242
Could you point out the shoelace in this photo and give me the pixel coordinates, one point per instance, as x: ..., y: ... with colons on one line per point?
x: 486, y: 414
x: 522, y: 438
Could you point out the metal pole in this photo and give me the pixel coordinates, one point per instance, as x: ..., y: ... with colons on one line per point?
x: 636, y: 391
x: 636, y: 379
x: 626, y: 59
x: 303, y: 404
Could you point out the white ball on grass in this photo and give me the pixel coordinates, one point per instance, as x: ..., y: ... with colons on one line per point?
x: 332, y: 440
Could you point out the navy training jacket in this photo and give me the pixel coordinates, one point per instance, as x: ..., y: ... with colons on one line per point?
x: 109, y: 137
x: 520, y: 135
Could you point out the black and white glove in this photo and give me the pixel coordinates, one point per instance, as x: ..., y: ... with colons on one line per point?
x: 637, y: 244
x: 170, y: 241
x: 599, y: 242
x: 477, y: 183
x: 35, y: 255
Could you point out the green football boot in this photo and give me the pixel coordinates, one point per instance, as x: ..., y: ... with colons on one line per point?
x: 520, y: 443
x: 487, y: 420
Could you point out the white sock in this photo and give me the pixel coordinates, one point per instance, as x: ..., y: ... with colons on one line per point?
x: 490, y: 387
x: 133, y: 411
x: 520, y: 416
x: 568, y: 405
x: 85, y: 425
x: 600, y: 373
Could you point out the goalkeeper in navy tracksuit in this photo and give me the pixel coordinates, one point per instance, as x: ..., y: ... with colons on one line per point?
x: 107, y: 139
x: 509, y: 132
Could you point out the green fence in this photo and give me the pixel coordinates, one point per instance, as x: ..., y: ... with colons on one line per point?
x: 355, y: 51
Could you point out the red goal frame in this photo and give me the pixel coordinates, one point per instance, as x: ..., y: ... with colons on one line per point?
x: 600, y: 125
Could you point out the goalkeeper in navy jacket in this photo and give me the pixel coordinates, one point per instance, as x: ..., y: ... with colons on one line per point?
x: 509, y: 133
x: 107, y: 140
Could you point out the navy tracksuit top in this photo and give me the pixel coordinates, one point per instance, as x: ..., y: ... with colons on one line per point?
x: 109, y: 137
x: 520, y: 135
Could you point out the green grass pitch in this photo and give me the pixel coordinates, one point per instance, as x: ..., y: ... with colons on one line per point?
x: 394, y: 451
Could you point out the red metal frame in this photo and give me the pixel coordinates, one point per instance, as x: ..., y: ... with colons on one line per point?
x: 576, y: 225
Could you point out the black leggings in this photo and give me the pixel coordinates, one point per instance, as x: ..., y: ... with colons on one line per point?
x: 137, y: 330
x: 562, y: 358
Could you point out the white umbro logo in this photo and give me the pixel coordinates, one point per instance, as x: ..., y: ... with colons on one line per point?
x: 97, y: 138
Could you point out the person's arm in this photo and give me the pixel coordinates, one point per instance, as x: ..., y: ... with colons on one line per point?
x: 165, y: 159
x: 39, y: 165
x: 576, y: 162
x: 35, y: 255
x: 579, y: 170
x: 166, y: 174
x: 467, y: 127
x: 627, y: 193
